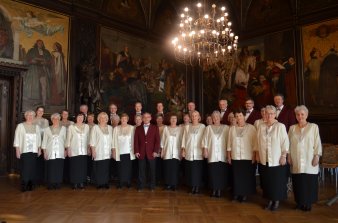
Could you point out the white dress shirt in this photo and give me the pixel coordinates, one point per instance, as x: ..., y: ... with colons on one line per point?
x: 171, y: 142
x: 242, y: 142
x: 123, y: 141
x: 54, y: 144
x: 146, y: 128
x: 273, y: 141
x: 304, y: 144
x: 102, y: 142
x: 278, y: 110
x: 215, y: 141
x: 192, y: 142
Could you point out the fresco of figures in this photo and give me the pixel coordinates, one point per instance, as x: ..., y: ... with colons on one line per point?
x: 320, y: 42
x: 261, y: 70
x: 136, y: 70
x: 39, y: 38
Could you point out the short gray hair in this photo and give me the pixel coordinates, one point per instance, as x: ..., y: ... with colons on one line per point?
x: 301, y: 108
x: 271, y: 107
x: 29, y: 112
x: 55, y: 115
x: 216, y: 113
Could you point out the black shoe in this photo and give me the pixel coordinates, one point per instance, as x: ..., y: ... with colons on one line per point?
x: 81, y: 186
x: 167, y: 187
x: 298, y: 207
x: 197, y: 190
x: 268, y: 206
x: 307, y: 208
x: 128, y: 185
x: 213, y: 194
x: 24, y: 187
x: 74, y: 187
x: 173, y: 188
x: 243, y: 199
x: 234, y: 198
x: 139, y: 189
x: 193, y: 189
x: 30, y: 186
x: 119, y: 187
x: 218, y: 193
x: 50, y: 187
x: 275, y: 206
x: 106, y: 186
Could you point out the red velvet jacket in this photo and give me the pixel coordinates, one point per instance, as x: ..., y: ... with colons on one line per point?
x: 254, y: 115
x: 144, y: 144
x: 287, y: 117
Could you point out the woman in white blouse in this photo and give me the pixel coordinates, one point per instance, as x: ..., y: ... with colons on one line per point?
x: 123, y: 150
x: 305, y: 149
x: 77, y: 150
x: 53, y: 146
x: 43, y: 124
x: 27, y: 142
x: 171, y: 142
x: 262, y: 120
x: 101, y: 143
x: 192, y: 151
x: 273, y: 147
x: 242, y: 146
x: 214, y: 144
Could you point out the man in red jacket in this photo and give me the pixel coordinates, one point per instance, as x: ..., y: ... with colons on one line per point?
x: 224, y: 110
x: 251, y: 114
x: 146, y: 147
x: 284, y: 114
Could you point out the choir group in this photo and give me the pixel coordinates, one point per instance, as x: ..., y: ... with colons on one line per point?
x: 278, y: 142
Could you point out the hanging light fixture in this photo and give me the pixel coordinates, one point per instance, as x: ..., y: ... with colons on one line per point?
x: 205, y: 36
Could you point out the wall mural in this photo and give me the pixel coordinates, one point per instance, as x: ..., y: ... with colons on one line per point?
x: 134, y: 70
x: 261, y: 70
x: 320, y: 66
x: 39, y: 38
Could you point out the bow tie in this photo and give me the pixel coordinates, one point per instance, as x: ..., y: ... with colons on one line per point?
x: 279, y: 109
x: 248, y: 112
x: 222, y: 110
x: 145, y: 126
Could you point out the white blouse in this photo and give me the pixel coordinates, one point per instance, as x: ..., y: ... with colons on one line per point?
x: 215, y: 141
x: 101, y: 142
x: 27, y: 142
x: 77, y: 140
x: 242, y: 142
x: 171, y: 142
x: 272, y: 142
x: 123, y: 141
x: 192, y: 142
x: 304, y: 144
x: 258, y: 122
x: 54, y: 143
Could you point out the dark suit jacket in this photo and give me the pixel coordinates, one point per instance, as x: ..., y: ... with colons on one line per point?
x: 224, y: 120
x: 131, y: 120
x: 144, y: 144
x: 287, y: 117
x: 254, y: 115
x: 166, y: 119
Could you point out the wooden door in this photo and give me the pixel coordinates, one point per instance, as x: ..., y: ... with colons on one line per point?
x: 5, y: 119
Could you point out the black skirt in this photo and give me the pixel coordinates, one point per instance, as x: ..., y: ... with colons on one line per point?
x: 28, y: 167
x: 55, y: 171
x: 194, y: 172
x: 159, y: 169
x: 66, y: 170
x: 274, y: 182
x: 78, y: 169
x: 305, y: 188
x: 171, y: 170
x: 218, y: 175
x: 244, y: 179
x: 125, y: 169
x: 101, y: 170
x: 41, y: 170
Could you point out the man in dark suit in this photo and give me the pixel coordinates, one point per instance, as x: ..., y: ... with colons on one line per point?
x: 146, y: 148
x: 284, y: 114
x: 251, y: 114
x: 160, y: 111
x: 224, y: 110
x: 138, y: 111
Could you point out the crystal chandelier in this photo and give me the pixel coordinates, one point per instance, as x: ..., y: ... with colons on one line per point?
x: 205, y: 35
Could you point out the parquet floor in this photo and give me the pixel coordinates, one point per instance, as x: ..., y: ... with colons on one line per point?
x: 124, y: 206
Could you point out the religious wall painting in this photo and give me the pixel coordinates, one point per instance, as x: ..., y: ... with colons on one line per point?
x: 38, y: 38
x: 320, y: 67
x: 134, y: 69
x: 259, y: 72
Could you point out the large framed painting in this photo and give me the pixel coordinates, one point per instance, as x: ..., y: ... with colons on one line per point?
x: 40, y: 39
x: 137, y: 70
x: 320, y: 66
x: 264, y: 67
